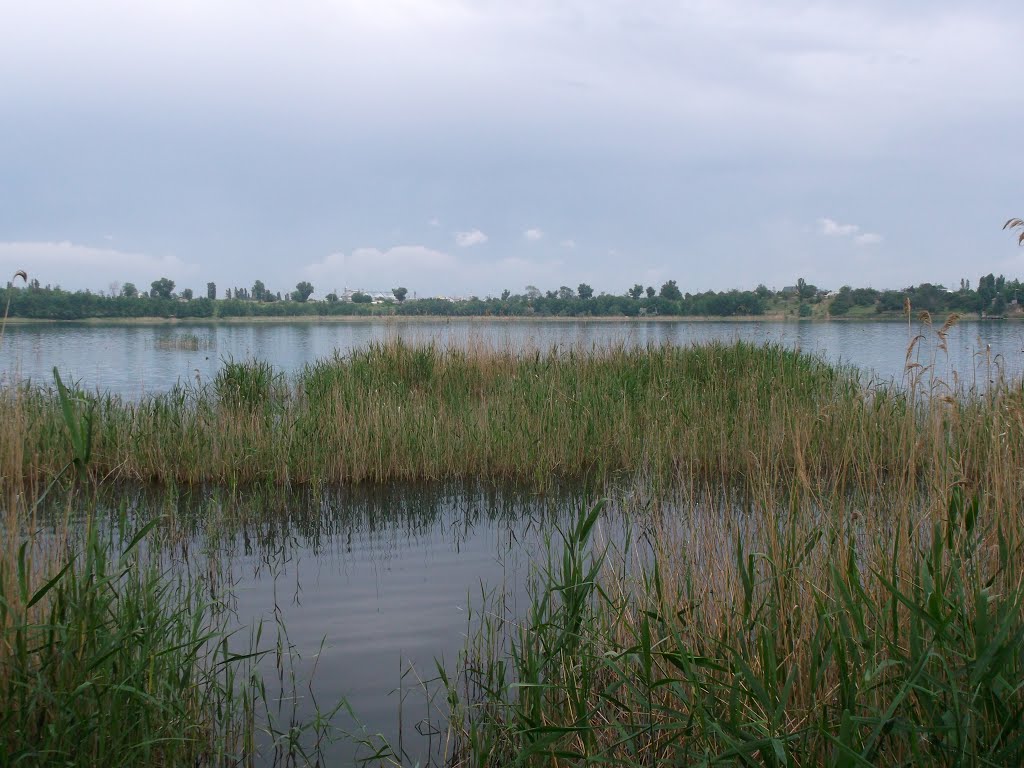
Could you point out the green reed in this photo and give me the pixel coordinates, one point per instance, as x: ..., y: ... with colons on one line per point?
x: 815, y: 658
x: 401, y: 412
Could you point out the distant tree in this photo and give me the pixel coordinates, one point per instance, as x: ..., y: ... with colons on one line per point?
x: 162, y: 288
x: 505, y: 294
x: 361, y: 298
x: 259, y: 291
x: 584, y: 291
x: 651, y: 293
x: 227, y: 294
x: 565, y: 292
x: 400, y: 294
x: 805, y: 290
x: 762, y: 291
x: 129, y: 291
x: 187, y: 294
x: 532, y: 292
x: 332, y: 298
x: 805, y: 309
x: 636, y: 291
x: 211, y: 291
x: 671, y: 291
x: 302, y: 291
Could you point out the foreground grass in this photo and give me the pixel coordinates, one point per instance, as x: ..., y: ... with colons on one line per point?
x: 807, y: 646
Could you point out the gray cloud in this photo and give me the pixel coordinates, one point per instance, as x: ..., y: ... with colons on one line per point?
x: 238, y: 135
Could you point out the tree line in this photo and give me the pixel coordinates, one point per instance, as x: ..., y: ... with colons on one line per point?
x: 992, y: 296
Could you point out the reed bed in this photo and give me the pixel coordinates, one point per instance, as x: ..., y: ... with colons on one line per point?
x: 185, y: 342
x: 727, y: 413
x: 759, y: 638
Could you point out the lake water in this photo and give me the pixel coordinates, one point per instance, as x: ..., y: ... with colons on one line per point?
x: 133, y: 360
x: 373, y: 585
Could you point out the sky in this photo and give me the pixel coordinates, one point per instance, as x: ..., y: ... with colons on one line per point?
x: 462, y: 148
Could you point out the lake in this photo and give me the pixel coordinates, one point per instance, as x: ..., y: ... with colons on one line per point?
x: 134, y: 360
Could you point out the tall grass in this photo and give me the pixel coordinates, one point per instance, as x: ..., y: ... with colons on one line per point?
x: 110, y: 656
x: 807, y: 646
x: 728, y: 413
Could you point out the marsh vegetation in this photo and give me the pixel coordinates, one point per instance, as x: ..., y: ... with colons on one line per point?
x: 802, y: 567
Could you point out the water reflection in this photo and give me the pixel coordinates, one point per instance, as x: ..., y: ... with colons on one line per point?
x: 368, y: 586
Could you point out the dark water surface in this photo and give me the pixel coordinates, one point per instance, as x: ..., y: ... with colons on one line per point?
x: 370, y: 588
x: 133, y: 360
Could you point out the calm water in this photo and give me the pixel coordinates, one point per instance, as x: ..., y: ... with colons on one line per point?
x: 135, y: 360
x: 372, y: 585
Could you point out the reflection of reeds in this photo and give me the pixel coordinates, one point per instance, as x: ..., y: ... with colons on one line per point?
x: 188, y: 342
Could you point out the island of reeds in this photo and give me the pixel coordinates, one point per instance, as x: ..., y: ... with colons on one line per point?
x: 820, y: 569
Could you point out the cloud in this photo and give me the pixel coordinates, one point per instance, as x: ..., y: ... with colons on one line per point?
x: 67, y: 263
x: 534, y: 234
x: 434, y: 223
x: 568, y: 243
x: 426, y: 272
x: 375, y: 269
x: 832, y: 228
x: 470, y: 238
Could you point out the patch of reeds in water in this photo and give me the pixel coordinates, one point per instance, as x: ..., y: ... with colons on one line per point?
x: 393, y: 411
x: 186, y: 342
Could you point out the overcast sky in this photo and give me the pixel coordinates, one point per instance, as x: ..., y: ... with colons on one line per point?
x: 467, y: 147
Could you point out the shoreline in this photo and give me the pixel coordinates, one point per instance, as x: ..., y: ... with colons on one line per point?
x: 481, y: 319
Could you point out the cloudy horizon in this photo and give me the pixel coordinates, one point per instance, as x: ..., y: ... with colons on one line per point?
x: 469, y: 147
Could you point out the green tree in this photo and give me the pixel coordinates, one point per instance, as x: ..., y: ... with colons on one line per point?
x: 187, y: 294
x: 400, y: 294
x: 505, y: 294
x: 584, y: 291
x: 651, y: 292
x: 361, y: 298
x: 303, y: 291
x: 636, y: 291
x: 259, y: 291
x: 129, y: 291
x: 211, y: 291
x: 332, y: 298
x: 162, y: 288
x: 565, y: 293
x: 671, y: 291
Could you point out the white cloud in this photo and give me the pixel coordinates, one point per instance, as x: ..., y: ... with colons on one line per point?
x: 375, y: 269
x: 427, y: 272
x: 67, y: 263
x: 470, y: 238
x: 568, y: 243
x: 832, y: 228
x: 534, y: 234
x: 434, y: 223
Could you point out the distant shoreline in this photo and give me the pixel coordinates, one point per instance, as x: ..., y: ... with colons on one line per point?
x: 517, y: 319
